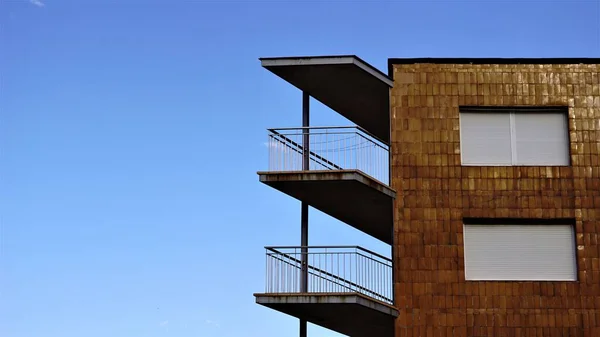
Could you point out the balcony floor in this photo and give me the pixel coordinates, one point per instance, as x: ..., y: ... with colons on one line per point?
x: 351, y: 314
x: 347, y: 195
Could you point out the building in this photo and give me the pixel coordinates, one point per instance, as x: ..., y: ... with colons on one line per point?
x: 483, y: 176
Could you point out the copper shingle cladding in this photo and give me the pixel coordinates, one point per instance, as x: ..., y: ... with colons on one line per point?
x: 346, y: 84
x: 435, y: 193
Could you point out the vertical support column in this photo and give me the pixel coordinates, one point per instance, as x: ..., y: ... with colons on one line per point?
x: 305, y: 131
x: 304, y: 207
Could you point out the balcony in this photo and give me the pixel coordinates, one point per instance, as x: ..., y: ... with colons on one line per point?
x: 349, y: 289
x: 347, y: 176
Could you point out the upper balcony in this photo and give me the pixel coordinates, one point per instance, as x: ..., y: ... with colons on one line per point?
x: 347, y: 175
x: 349, y: 289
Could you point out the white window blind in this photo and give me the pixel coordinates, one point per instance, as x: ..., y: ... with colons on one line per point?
x: 520, y: 252
x: 514, y: 136
x: 541, y: 139
x: 485, y: 138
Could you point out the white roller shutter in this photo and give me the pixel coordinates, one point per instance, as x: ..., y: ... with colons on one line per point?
x: 541, y: 139
x: 505, y: 136
x: 520, y: 252
x: 485, y: 138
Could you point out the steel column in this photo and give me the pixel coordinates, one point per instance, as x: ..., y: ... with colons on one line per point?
x: 304, y: 207
x: 305, y: 130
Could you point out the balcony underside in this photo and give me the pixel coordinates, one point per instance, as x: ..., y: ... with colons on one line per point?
x: 346, y: 84
x: 347, y: 313
x: 347, y: 195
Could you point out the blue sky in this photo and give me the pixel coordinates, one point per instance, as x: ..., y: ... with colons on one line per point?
x: 131, y: 133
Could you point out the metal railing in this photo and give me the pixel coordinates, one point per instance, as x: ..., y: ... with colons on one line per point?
x: 330, y: 148
x: 332, y: 269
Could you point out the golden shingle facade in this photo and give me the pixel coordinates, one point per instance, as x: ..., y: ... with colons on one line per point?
x: 435, y: 193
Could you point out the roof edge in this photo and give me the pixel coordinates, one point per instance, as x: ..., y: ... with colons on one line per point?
x: 491, y: 60
x: 354, y: 59
x: 307, y: 57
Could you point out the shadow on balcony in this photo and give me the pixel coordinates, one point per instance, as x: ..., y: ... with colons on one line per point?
x: 349, y: 289
x: 347, y: 176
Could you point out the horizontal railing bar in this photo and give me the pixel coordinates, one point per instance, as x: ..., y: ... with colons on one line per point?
x: 329, y: 127
x: 370, y: 258
x: 319, y: 128
x: 374, y: 260
x: 370, y: 141
x: 339, y: 246
x: 274, y: 249
x: 358, y: 287
x: 315, y: 133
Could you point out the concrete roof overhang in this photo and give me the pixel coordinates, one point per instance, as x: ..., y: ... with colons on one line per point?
x: 346, y: 84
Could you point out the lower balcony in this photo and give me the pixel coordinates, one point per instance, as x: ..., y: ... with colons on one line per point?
x: 348, y: 288
x: 341, y: 171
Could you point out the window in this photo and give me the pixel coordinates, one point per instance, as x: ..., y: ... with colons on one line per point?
x: 504, y: 136
x: 531, y: 250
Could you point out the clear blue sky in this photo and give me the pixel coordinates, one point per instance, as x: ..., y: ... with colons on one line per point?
x: 131, y: 133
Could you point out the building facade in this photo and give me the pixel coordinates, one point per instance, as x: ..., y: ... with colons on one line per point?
x: 483, y: 175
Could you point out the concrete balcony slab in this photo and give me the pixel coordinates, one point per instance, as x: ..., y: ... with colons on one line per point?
x: 347, y: 195
x: 351, y: 314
